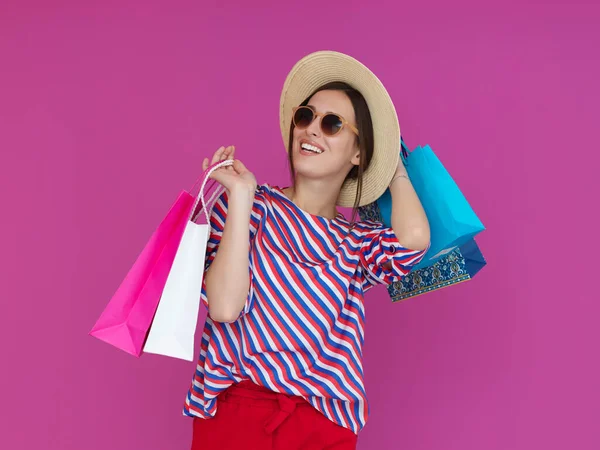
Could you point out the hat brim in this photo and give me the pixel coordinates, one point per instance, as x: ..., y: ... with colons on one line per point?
x: 319, y: 68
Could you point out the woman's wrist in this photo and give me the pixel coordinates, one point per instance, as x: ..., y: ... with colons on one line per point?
x: 242, y: 195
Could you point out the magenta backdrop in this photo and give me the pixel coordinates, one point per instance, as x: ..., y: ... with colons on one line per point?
x: 107, y: 109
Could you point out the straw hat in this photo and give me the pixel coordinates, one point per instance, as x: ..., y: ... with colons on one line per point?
x: 317, y: 69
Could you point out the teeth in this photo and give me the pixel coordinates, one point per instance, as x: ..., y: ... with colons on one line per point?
x: 311, y: 148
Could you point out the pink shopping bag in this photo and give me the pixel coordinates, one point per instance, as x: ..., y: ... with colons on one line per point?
x: 125, y: 321
x: 174, y: 325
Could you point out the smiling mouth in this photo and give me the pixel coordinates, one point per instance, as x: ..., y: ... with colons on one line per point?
x: 311, y: 148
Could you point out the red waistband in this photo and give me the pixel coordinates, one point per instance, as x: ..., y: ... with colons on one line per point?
x: 249, y: 389
x: 284, y: 404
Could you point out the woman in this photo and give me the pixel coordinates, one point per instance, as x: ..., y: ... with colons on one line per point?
x: 281, y: 356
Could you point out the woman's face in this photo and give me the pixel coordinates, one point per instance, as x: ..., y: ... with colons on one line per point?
x: 339, y: 153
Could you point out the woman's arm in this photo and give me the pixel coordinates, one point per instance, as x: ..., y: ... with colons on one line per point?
x: 227, y: 278
x: 409, y: 221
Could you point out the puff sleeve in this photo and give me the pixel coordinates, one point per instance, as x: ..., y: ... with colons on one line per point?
x: 384, y: 258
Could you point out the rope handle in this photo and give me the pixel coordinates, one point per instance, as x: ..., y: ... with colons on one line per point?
x: 404, y: 152
x: 215, y: 194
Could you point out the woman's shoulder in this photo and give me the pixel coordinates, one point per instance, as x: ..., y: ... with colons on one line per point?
x: 264, y: 193
x: 264, y: 189
x: 264, y: 197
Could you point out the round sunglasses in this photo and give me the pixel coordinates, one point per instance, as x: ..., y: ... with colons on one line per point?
x: 331, y: 124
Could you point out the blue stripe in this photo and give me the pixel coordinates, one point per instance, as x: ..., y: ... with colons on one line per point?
x: 326, y: 279
x: 315, y: 295
x: 254, y: 351
x: 335, y: 362
x: 277, y: 354
x: 310, y: 252
x: 297, y: 360
x: 344, y: 408
x: 230, y: 341
x: 210, y: 357
x: 330, y: 403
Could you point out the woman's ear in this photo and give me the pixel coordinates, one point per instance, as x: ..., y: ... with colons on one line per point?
x: 356, y: 158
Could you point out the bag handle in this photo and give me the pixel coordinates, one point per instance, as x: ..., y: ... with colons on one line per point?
x: 215, y: 194
x: 404, y: 153
x: 198, y: 183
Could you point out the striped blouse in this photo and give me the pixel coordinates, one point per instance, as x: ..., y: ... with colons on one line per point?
x: 301, y: 331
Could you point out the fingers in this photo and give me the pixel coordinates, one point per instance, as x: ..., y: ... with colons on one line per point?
x: 230, y: 156
x: 217, y: 156
x: 239, y: 166
x: 223, y: 153
x: 227, y: 153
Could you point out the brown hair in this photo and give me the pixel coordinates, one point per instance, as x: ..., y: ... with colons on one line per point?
x: 365, y: 138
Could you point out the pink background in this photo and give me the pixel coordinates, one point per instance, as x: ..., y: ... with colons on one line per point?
x: 107, y: 109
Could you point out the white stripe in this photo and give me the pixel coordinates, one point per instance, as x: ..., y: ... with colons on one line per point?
x: 338, y: 270
x: 300, y: 238
x: 344, y: 362
x: 305, y: 365
x: 314, y: 390
x: 277, y: 366
x: 241, y: 350
x: 336, y: 405
x: 308, y: 304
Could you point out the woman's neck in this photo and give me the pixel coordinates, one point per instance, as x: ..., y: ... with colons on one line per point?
x: 315, y: 197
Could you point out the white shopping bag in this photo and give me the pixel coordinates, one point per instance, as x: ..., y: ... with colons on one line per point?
x: 174, y: 325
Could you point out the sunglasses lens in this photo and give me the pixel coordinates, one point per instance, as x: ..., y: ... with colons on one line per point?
x: 331, y: 124
x: 303, y: 117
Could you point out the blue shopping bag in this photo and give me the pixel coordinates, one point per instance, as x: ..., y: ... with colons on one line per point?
x: 474, y: 260
x: 460, y: 265
x: 451, y: 219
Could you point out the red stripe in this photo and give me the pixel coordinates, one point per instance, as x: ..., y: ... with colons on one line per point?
x: 317, y: 286
x: 309, y: 338
x: 321, y: 310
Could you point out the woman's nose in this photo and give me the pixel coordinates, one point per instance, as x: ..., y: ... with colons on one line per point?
x: 315, y: 127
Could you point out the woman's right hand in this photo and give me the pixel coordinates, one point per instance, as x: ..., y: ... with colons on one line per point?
x: 234, y: 177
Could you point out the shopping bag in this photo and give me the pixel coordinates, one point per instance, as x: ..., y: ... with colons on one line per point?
x: 451, y: 219
x: 474, y: 260
x: 125, y: 321
x: 458, y: 266
x: 174, y: 326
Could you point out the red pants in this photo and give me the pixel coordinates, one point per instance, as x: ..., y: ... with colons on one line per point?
x: 252, y: 417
